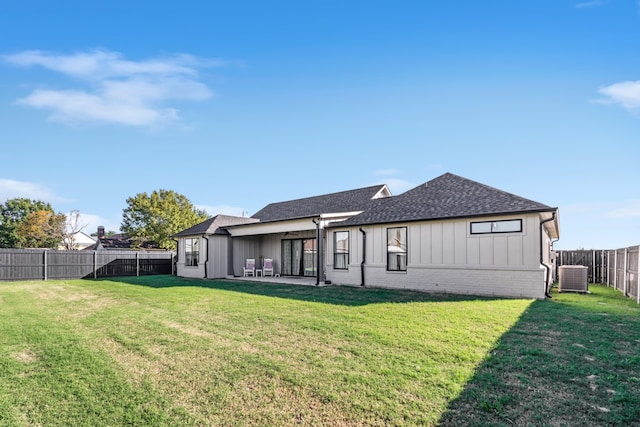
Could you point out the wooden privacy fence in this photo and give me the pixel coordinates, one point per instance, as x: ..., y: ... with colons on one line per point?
x: 43, y: 264
x: 594, y: 260
x: 619, y: 268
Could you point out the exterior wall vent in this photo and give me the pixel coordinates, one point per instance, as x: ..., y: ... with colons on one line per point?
x: 572, y: 278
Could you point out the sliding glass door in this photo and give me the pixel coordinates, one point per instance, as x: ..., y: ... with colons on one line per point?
x: 299, y: 257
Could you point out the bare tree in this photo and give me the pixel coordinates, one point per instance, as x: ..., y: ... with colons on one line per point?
x: 73, y: 226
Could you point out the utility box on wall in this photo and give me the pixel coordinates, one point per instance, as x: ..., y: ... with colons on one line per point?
x: 572, y: 278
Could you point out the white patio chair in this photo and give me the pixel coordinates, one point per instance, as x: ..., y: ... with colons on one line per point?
x: 250, y: 268
x: 267, y: 267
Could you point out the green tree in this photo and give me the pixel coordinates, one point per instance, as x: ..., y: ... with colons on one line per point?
x: 12, y: 213
x: 156, y: 217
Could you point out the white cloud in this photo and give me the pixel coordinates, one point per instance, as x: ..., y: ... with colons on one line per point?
x: 11, y: 189
x: 91, y: 223
x: 586, y: 4
x: 114, y: 90
x: 631, y: 209
x: 223, y: 209
x: 627, y: 94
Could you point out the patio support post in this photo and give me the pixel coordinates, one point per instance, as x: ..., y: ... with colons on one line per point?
x: 318, y: 249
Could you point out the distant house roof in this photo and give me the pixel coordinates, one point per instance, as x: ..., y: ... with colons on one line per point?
x: 344, y: 201
x: 447, y: 196
x: 214, y: 225
x: 118, y: 242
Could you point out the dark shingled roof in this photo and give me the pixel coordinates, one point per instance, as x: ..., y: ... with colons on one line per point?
x: 345, y: 201
x: 213, y: 225
x: 447, y: 196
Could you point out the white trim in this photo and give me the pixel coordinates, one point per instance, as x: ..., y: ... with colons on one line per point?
x: 272, y: 227
x: 340, y: 214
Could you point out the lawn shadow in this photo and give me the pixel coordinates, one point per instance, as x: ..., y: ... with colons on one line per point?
x: 568, y: 361
x: 336, y: 295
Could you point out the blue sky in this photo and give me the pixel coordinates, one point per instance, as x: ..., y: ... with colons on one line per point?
x: 239, y: 104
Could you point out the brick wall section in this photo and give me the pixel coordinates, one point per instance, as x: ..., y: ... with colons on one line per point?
x: 494, y: 281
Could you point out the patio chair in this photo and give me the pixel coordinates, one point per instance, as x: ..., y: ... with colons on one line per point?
x: 267, y: 267
x: 250, y: 268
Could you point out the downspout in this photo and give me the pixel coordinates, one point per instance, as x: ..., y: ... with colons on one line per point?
x: 546, y: 267
x: 318, y: 240
x: 206, y: 260
x: 364, y: 254
x: 177, y: 258
x: 555, y: 265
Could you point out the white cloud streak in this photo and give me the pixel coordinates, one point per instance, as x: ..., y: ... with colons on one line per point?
x: 11, y: 189
x: 587, y: 4
x: 626, y: 94
x: 630, y: 210
x: 114, y: 90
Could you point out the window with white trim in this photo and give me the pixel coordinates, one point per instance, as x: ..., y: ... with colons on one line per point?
x: 341, y: 250
x: 503, y: 226
x: 191, y: 252
x: 397, y: 249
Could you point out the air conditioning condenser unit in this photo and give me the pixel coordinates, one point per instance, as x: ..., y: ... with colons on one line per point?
x: 573, y: 278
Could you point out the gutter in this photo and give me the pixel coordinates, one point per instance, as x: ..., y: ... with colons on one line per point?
x: 546, y: 267
x: 364, y: 254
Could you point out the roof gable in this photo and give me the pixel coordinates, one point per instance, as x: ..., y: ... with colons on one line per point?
x: 447, y: 196
x: 344, y: 201
x: 214, y: 225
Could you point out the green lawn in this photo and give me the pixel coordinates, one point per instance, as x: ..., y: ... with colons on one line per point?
x: 168, y: 351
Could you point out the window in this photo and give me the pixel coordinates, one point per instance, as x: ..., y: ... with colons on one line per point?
x: 191, y: 252
x: 397, y: 249
x: 341, y: 250
x: 486, y: 227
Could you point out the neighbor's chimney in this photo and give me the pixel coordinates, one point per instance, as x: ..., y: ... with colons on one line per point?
x: 100, y: 232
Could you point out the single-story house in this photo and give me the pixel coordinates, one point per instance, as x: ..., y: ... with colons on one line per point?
x: 118, y: 242
x: 77, y: 241
x: 450, y: 234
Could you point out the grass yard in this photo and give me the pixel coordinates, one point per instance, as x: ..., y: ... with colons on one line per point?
x: 162, y: 350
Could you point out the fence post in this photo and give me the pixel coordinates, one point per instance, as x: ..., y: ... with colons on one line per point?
x: 95, y: 264
x: 137, y: 263
x: 44, y: 265
x: 615, y: 269
x: 625, y: 281
x: 638, y: 278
